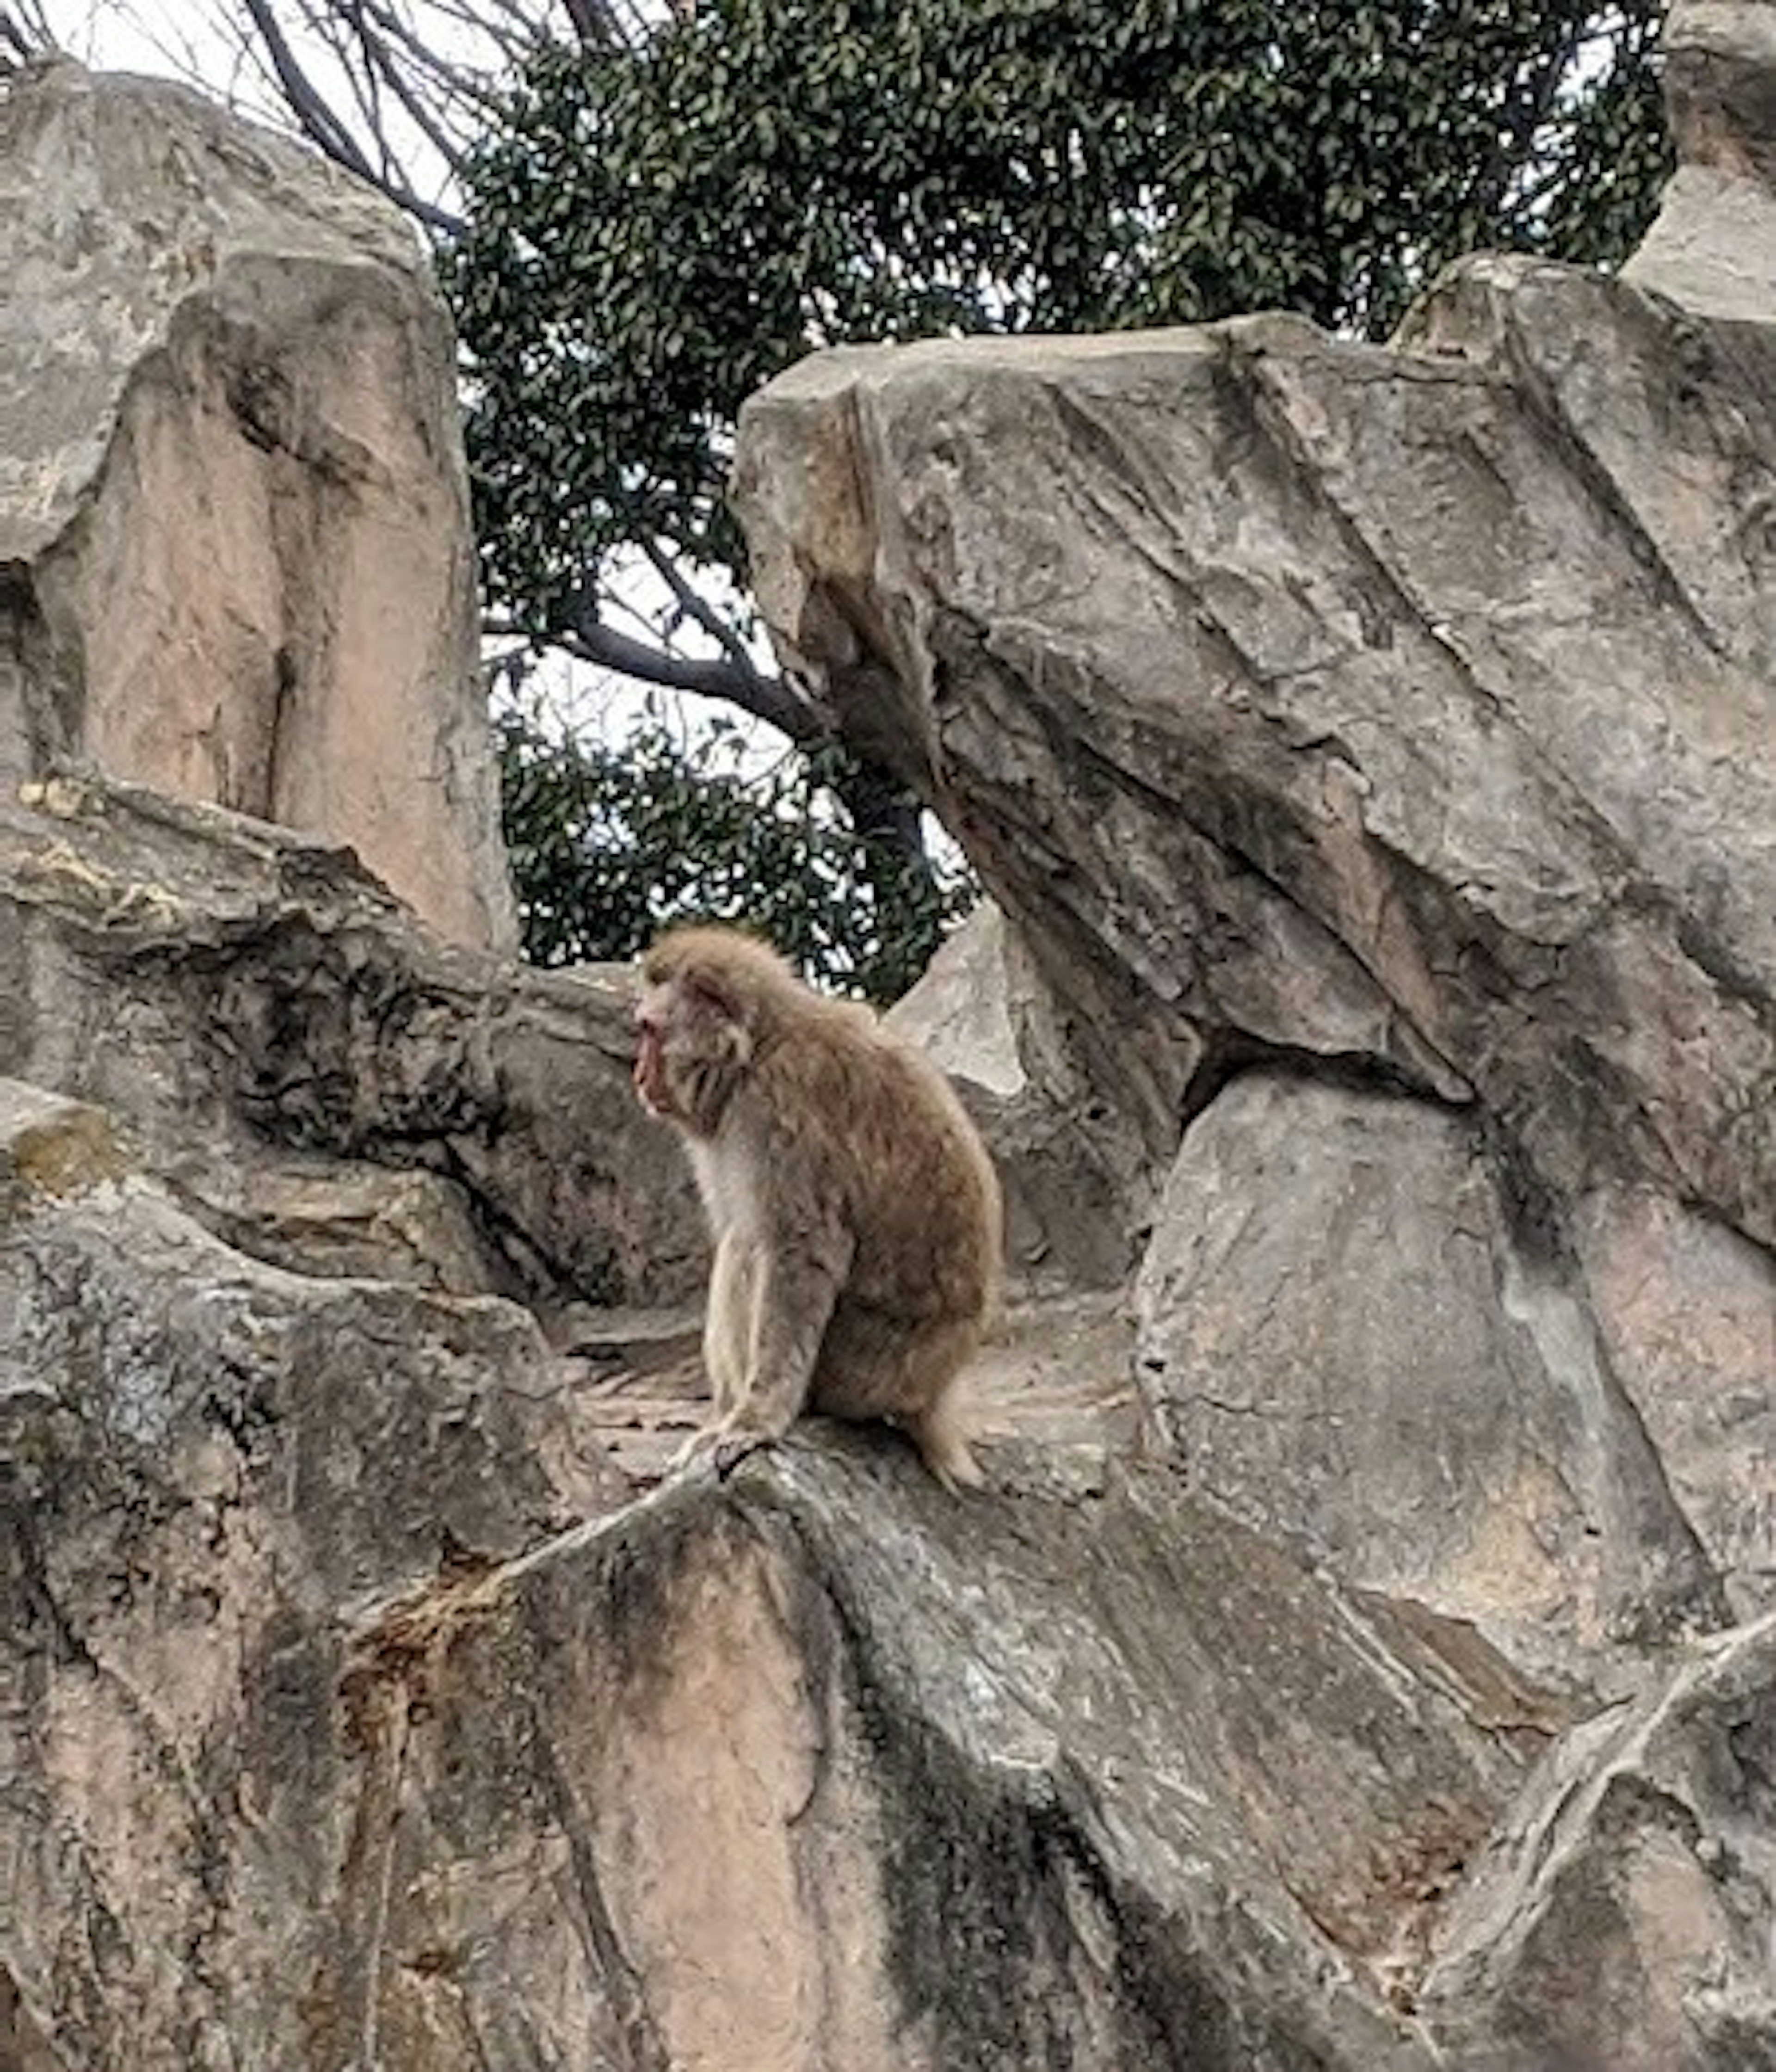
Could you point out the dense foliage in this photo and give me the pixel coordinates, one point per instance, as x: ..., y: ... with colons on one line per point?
x: 609, y: 839
x: 655, y: 232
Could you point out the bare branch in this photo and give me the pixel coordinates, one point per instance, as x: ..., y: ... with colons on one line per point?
x: 767, y: 698
x: 321, y: 126
x: 592, y: 22
x: 24, y: 29
x: 415, y: 59
x: 698, y: 609
x: 380, y: 61
x: 318, y: 122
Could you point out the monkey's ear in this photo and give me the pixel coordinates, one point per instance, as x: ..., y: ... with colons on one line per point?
x: 712, y: 990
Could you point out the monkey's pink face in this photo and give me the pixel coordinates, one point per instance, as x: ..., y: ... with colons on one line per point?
x: 689, y: 1037
x: 650, y: 1067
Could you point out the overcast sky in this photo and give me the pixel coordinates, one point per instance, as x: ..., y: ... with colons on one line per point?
x: 189, y: 38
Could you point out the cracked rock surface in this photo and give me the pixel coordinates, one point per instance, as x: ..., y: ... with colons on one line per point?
x: 235, y: 554
x: 1364, y: 1657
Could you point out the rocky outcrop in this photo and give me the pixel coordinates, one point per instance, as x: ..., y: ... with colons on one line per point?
x: 1713, y: 248
x: 235, y: 555
x: 322, y: 1083
x: 1396, y: 706
x: 1363, y: 1658
x: 1375, y: 751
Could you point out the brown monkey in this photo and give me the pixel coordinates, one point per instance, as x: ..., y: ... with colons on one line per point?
x: 855, y: 1212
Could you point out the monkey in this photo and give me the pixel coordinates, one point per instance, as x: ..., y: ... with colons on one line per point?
x: 856, y: 1215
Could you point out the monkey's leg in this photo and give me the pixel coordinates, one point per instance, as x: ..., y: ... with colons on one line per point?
x: 875, y: 1366
x: 797, y: 1287
x: 727, y: 1324
x: 790, y: 1291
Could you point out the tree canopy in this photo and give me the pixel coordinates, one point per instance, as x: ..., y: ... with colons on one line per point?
x: 609, y: 839
x: 655, y: 230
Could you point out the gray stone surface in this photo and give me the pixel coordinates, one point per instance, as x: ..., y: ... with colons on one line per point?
x: 233, y: 506
x: 1713, y: 248
x: 1375, y: 751
x: 1304, y: 698
x: 1621, y: 1920
x: 317, y: 1077
x: 1354, y: 1338
x: 1079, y: 1184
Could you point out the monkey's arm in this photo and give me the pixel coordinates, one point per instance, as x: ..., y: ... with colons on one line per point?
x: 793, y: 1283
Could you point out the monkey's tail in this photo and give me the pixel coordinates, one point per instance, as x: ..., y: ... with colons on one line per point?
x: 937, y: 1434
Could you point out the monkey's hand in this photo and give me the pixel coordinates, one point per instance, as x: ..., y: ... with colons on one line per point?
x: 730, y: 1451
x: 724, y: 1445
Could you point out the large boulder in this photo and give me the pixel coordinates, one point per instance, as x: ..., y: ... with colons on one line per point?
x: 1405, y: 709
x: 1375, y: 751
x: 235, y: 555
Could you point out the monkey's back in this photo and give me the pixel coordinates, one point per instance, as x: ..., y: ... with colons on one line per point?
x: 891, y: 1154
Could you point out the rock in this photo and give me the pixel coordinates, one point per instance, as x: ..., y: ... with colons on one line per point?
x: 1713, y: 247
x: 1642, y: 1852
x: 1362, y: 1658
x: 50, y: 1145
x: 1374, y: 750
x: 319, y: 1080
x: 1357, y: 1339
x: 1079, y: 1187
x: 234, y: 504
x: 708, y: 1753
x: 1686, y: 1314
x: 1271, y: 759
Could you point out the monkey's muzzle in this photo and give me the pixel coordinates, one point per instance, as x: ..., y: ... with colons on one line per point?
x: 649, y: 1071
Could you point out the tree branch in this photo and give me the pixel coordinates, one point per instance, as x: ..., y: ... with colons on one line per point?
x: 319, y: 123
x: 380, y: 62
x: 594, y: 24
x: 24, y: 30
x: 696, y: 608
x: 884, y: 812
x: 879, y: 803
x: 1529, y: 110
x: 767, y: 698
x: 324, y: 129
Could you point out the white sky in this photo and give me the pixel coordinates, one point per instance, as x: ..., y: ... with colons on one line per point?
x: 186, y: 39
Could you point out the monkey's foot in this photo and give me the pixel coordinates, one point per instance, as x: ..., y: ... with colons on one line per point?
x: 696, y: 1449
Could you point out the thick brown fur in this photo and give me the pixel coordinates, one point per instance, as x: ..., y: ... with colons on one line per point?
x: 856, y: 1213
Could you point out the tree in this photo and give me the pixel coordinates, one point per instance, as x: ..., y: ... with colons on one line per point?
x: 655, y: 230
x: 609, y: 839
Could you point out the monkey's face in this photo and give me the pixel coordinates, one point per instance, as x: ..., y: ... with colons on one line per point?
x: 650, y: 1075
x: 691, y: 1049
